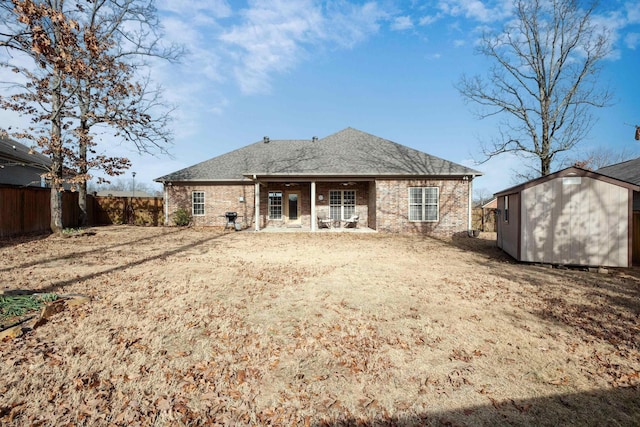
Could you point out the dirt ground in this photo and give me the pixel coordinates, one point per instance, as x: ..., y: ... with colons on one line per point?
x: 203, y: 327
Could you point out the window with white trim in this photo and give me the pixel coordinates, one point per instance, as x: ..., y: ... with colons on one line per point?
x: 342, y: 204
x: 423, y: 204
x: 275, y: 204
x: 197, y: 203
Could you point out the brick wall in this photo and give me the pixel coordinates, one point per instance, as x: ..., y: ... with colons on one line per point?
x: 383, y: 205
x: 392, y: 207
x: 218, y: 199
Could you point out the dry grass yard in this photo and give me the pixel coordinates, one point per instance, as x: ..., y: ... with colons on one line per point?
x: 201, y: 327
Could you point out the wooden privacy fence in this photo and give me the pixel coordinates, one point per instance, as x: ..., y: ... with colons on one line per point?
x: 127, y: 210
x: 483, y: 219
x: 27, y: 210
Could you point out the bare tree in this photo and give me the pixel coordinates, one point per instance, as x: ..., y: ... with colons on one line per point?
x: 543, y: 81
x: 481, y: 196
x: 79, y: 79
x: 114, y: 95
x: 42, y: 31
x: 120, y: 184
x: 600, y: 157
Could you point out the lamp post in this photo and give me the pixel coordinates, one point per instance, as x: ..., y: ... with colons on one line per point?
x: 133, y: 188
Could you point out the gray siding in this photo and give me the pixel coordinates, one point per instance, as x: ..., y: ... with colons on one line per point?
x: 21, y: 175
x: 575, y: 221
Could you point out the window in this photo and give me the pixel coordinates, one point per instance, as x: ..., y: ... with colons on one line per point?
x: 275, y: 204
x: 342, y: 204
x: 506, y: 208
x: 423, y: 204
x: 197, y: 203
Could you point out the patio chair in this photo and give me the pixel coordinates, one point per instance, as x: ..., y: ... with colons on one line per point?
x: 323, y: 221
x: 351, y: 222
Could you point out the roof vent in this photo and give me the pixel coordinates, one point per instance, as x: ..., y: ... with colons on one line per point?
x: 265, y: 139
x: 314, y: 139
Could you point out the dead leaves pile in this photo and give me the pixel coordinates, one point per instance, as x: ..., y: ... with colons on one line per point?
x: 327, y: 362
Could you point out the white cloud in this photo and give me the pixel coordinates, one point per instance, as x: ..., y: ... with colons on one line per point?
x: 632, y: 40
x: 633, y: 11
x: 214, y: 8
x: 458, y: 43
x: 483, y: 11
x: 429, y: 19
x: 402, y: 23
x: 274, y: 35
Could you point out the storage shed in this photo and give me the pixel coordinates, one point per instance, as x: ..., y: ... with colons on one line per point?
x: 571, y: 217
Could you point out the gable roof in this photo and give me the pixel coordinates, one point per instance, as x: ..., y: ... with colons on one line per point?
x: 568, y: 172
x: 491, y: 204
x: 349, y: 152
x: 628, y: 171
x: 14, y: 152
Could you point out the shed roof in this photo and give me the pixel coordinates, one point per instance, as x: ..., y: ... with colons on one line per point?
x: 568, y: 172
x: 349, y: 152
x: 13, y: 151
x: 628, y: 171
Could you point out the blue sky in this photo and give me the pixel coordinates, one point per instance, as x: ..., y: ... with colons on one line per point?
x: 291, y: 69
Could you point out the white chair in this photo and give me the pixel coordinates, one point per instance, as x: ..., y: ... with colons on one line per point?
x: 323, y: 221
x: 351, y: 222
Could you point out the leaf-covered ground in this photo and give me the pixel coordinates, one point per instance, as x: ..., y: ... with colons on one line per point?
x: 201, y: 327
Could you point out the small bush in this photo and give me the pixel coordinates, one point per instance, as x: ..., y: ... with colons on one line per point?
x: 19, y: 305
x: 182, y: 218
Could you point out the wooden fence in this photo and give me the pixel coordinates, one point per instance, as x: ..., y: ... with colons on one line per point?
x: 483, y: 219
x: 26, y: 210
x: 127, y: 210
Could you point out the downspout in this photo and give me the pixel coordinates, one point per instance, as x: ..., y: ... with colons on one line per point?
x: 469, y: 203
x: 166, y: 203
x: 256, y: 195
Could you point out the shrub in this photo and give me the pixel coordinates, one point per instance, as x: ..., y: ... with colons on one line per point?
x: 182, y: 217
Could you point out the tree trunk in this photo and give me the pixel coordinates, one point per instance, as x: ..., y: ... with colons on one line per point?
x: 82, y: 204
x: 545, y: 166
x: 56, y: 210
x: 83, y: 169
x: 57, y: 156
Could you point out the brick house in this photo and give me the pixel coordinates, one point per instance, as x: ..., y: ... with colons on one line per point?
x: 290, y: 183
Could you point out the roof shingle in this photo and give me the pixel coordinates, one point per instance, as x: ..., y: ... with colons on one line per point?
x: 349, y: 152
x: 628, y: 171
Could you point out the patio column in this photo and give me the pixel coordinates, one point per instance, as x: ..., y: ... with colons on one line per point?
x: 256, y: 193
x: 313, y: 206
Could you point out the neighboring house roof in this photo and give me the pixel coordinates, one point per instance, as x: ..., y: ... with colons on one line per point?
x: 568, y: 172
x: 491, y: 204
x: 628, y: 171
x: 349, y: 152
x: 16, y: 153
x: 119, y: 193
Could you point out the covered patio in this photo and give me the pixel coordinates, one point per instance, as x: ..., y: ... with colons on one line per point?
x: 287, y: 203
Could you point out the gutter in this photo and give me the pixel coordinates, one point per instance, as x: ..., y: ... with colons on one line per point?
x: 469, y: 204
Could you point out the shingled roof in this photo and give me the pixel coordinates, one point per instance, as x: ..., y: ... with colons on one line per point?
x: 628, y: 171
x: 14, y: 152
x: 349, y: 152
